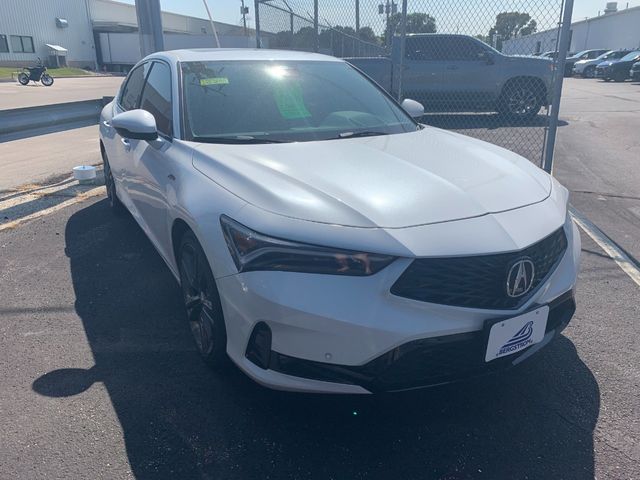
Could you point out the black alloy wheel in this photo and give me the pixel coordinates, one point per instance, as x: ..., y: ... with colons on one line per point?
x: 520, y: 100
x: 202, y: 302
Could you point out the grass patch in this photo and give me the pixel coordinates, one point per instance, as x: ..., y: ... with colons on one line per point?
x: 5, y: 72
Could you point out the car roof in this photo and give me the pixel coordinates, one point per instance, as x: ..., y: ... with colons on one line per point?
x: 231, y: 54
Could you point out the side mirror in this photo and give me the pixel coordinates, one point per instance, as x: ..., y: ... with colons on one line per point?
x: 136, y: 125
x: 413, y: 108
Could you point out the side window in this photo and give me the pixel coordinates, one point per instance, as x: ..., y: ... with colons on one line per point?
x: 21, y: 44
x: 133, y: 87
x: 156, y: 97
x: 421, y: 48
x: 461, y: 48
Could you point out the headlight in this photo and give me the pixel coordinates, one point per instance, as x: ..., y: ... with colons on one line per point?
x: 253, y: 251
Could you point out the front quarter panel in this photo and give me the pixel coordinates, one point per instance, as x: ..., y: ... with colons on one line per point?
x: 199, y: 201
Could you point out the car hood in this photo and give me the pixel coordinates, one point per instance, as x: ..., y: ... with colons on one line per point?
x: 391, y: 181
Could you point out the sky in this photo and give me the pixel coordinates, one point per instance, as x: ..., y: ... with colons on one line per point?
x: 228, y: 11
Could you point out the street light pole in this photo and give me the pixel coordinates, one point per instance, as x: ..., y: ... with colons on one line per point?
x: 213, y: 25
x: 149, y: 26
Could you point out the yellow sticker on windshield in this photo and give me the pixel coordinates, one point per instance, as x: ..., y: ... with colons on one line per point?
x: 214, y: 81
x: 289, y: 101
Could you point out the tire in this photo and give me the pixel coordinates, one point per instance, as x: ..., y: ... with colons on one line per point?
x: 202, y: 302
x: 116, y: 205
x: 47, y: 80
x: 520, y: 100
x: 589, y: 72
x: 23, y: 78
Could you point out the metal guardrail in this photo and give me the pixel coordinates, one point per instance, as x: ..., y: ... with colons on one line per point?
x: 31, y: 121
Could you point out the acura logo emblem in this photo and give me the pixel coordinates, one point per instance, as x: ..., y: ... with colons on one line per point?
x: 520, y: 277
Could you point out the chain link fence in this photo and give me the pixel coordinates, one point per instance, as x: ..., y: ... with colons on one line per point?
x: 469, y: 62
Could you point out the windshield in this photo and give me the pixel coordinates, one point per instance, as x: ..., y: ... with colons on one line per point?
x: 579, y: 54
x: 269, y: 101
x: 606, y: 55
x: 630, y: 56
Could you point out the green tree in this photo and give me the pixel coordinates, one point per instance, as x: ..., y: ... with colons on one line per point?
x: 366, y: 34
x: 304, y: 39
x: 511, y: 24
x: 416, y: 23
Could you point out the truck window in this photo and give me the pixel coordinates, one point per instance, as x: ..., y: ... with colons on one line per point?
x: 428, y: 47
x: 461, y: 48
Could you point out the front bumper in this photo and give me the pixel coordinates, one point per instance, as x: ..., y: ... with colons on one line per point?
x: 334, y: 334
x: 603, y: 72
x: 425, y: 362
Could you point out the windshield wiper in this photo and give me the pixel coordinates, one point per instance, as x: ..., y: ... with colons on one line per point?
x: 238, y: 140
x: 366, y: 133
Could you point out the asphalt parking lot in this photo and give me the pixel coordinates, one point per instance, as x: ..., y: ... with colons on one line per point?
x: 100, y: 378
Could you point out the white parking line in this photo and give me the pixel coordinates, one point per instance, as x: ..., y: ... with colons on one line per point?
x: 616, y: 253
x: 47, y: 211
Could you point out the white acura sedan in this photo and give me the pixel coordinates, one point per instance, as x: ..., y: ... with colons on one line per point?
x: 324, y: 240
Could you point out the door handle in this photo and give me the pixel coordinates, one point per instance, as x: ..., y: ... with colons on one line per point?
x: 106, y: 123
x: 126, y: 143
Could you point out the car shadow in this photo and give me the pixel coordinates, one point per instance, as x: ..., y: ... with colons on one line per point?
x: 181, y: 420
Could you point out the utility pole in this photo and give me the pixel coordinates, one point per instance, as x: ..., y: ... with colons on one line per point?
x: 213, y: 25
x: 149, y: 26
x: 388, y: 8
x: 244, y: 11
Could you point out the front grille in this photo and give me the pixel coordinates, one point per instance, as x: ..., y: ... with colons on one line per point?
x: 478, y: 281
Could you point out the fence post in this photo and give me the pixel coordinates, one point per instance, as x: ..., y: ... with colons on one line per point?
x: 565, y: 35
x: 357, y: 49
x: 316, y: 40
x: 403, y: 46
x: 256, y: 7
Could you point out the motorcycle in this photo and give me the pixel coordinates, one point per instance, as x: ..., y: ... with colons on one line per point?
x: 35, y: 74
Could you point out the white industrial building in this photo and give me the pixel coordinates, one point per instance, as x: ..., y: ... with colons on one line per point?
x: 96, y: 34
x: 614, y: 29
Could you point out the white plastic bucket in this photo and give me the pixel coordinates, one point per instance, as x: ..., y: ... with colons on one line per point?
x: 85, y: 174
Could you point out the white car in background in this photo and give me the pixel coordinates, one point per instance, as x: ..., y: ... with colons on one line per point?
x: 587, y: 68
x: 324, y: 240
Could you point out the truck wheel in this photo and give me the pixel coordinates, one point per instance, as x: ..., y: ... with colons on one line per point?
x: 589, y: 72
x: 520, y: 100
